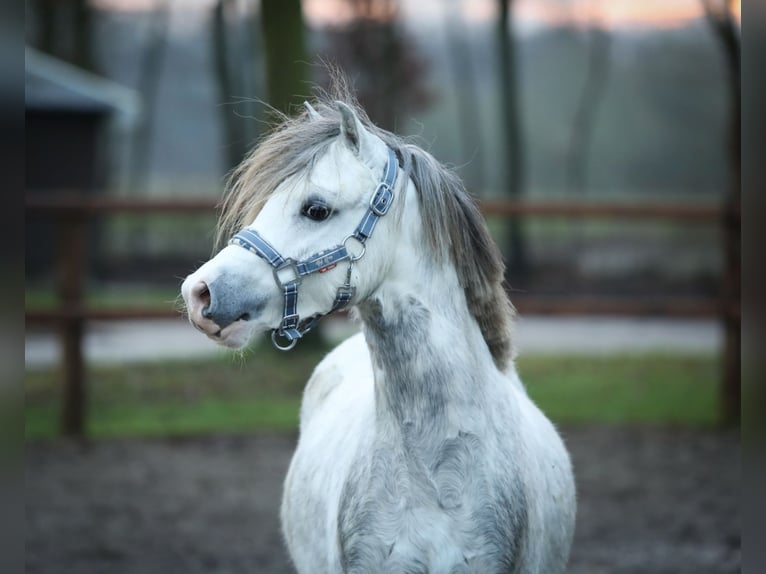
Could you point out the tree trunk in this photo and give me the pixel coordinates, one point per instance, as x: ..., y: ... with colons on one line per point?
x: 64, y: 29
x: 513, y: 156
x: 585, y: 116
x: 231, y: 125
x: 82, y: 54
x: 150, y: 75
x: 724, y: 28
x: 286, y: 65
x: 469, y: 125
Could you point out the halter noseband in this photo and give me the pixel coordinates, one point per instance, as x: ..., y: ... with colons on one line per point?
x: 289, y: 273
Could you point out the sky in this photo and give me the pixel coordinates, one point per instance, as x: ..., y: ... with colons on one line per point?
x: 630, y: 14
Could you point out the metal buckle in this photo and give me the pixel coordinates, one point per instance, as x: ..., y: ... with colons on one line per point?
x: 344, y: 296
x: 289, y: 322
x: 348, y: 289
x: 382, y: 199
x: 288, y: 264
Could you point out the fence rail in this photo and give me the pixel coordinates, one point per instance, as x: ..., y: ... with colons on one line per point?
x: 64, y: 204
x: 71, y: 212
x: 675, y: 211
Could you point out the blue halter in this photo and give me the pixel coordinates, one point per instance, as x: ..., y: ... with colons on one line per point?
x: 289, y: 273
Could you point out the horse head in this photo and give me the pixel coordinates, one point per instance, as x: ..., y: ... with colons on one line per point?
x: 297, y: 219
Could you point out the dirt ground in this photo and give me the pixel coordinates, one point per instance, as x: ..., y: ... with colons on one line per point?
x: 650, y: 501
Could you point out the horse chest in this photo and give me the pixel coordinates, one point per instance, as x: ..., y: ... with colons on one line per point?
x: 437, y: 512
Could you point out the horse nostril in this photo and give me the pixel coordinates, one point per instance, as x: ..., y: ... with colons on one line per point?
x: 220, y: 303
x: 201, y: 295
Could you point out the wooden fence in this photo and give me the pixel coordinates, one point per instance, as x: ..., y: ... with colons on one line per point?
x: 72, y: 213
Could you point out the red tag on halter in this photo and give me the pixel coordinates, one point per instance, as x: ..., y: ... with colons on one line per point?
x: 323, y: 269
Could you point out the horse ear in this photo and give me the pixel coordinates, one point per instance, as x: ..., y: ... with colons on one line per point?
x: 313, y: 114
x: 358, y: 139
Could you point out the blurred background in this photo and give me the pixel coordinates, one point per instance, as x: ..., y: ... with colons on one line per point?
x: 602, y: 140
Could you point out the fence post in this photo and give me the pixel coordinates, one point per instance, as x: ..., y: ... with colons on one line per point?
x: 731, y: 391
x: 70, y: 261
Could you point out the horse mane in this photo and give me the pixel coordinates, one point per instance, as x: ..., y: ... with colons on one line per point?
x: 451, y: 218
x: 453, y: 224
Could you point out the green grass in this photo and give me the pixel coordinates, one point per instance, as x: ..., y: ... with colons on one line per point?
x: 659, y: 389
x: 172, y: 418
x: 261, y: 391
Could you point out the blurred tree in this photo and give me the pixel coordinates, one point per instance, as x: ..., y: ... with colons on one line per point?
x: 149, y: 77
x: 284, y: 45
x: 720, y: 16
x: 63, y: 28
x: 513, y: 153
x: 388, y: 73
x: 237, y: 67
x: 231, y: 125
x: 467, y: 97
x: 580, y: 142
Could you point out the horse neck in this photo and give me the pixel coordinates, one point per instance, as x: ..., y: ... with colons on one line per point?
x: 430, y: 361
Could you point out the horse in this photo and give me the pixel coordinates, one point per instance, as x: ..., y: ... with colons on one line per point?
x: 419, y: 449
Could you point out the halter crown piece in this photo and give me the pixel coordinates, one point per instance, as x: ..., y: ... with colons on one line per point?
x: 289, y: 273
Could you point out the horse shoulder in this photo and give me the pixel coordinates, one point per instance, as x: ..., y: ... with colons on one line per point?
x: 335, y: 412
x: 347, y: 364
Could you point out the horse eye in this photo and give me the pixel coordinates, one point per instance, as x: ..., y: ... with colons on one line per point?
x: 316, y: 211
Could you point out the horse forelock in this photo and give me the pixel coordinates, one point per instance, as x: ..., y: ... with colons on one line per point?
x: 450, y: 215
x: 291, y: 148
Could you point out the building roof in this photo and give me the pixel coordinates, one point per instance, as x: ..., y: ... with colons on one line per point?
x: 54, y: 85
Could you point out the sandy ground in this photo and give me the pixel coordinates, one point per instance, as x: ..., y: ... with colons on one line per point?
x: 650, y: 501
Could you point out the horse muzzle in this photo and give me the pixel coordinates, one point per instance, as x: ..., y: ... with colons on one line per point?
x: 221, y: 309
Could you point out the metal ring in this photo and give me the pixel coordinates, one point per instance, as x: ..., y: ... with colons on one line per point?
x: 350, y: 254
x: 274, y: 334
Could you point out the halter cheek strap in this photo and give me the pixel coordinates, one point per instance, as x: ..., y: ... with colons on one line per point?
x: 289, y: 273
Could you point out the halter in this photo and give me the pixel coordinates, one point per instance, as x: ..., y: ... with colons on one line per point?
x: 289, y: 273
